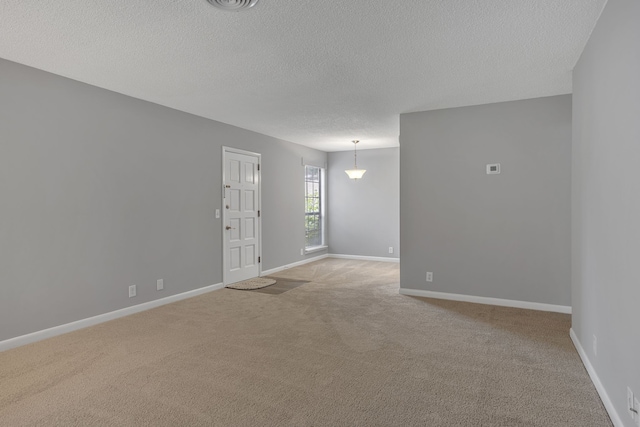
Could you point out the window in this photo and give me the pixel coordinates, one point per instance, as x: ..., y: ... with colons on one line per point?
x: 313, y: 207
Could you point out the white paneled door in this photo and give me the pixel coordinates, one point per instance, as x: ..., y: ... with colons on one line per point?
x: 241, y: 199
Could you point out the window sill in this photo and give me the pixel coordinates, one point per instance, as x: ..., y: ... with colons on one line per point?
x: 314, y: 249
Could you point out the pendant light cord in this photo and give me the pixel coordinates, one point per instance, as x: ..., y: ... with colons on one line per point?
x: 355, y: 158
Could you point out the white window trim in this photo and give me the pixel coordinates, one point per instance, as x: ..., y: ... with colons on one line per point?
x: 314, y: 249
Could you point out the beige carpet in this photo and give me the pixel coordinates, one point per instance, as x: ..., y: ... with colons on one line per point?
x: 343, y: 350
x: 281, y: 286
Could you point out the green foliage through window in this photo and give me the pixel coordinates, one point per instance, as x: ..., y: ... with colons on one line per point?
x: 313, y: 206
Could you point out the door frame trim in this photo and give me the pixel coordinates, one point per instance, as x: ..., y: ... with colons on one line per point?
x: 225, y: 150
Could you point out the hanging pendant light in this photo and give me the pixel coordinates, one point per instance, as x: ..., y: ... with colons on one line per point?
x: 355, y: 173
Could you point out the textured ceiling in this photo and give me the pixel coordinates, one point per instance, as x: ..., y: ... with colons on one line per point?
x: 314, y: 72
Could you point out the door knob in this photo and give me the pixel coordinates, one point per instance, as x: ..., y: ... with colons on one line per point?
x: 229, y: 227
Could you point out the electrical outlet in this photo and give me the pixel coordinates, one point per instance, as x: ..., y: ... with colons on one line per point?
x: 132, y: 291
x: 630, y: 403
x: 159, y: 284
x: 429, y: 276
x: 390, y: 249
x: 493, y: 169
x: 636, y: 406
x: 217, y: 213
x: 595, y: 346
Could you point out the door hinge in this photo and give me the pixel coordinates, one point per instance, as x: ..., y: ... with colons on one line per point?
x: 258, y: 259
x: 258, y: 166
x: 258, y: 214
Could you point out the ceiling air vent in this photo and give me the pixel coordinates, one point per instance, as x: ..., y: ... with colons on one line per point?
x: 233, y: 5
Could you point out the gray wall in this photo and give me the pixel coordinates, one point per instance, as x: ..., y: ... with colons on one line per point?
x: 502, y: 236
x: 606, y: 202
x: 364, y: 214
x: 99, y: 191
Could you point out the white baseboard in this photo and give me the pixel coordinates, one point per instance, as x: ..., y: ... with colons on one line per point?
x: 613, y: 414
x: 90, y: 321
x: 485, y: 300
x: 364, y: 258
x: 294, y: 264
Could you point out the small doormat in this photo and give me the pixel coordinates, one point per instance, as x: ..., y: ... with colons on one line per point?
x: 255, y: 283
x: 281, y: 286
